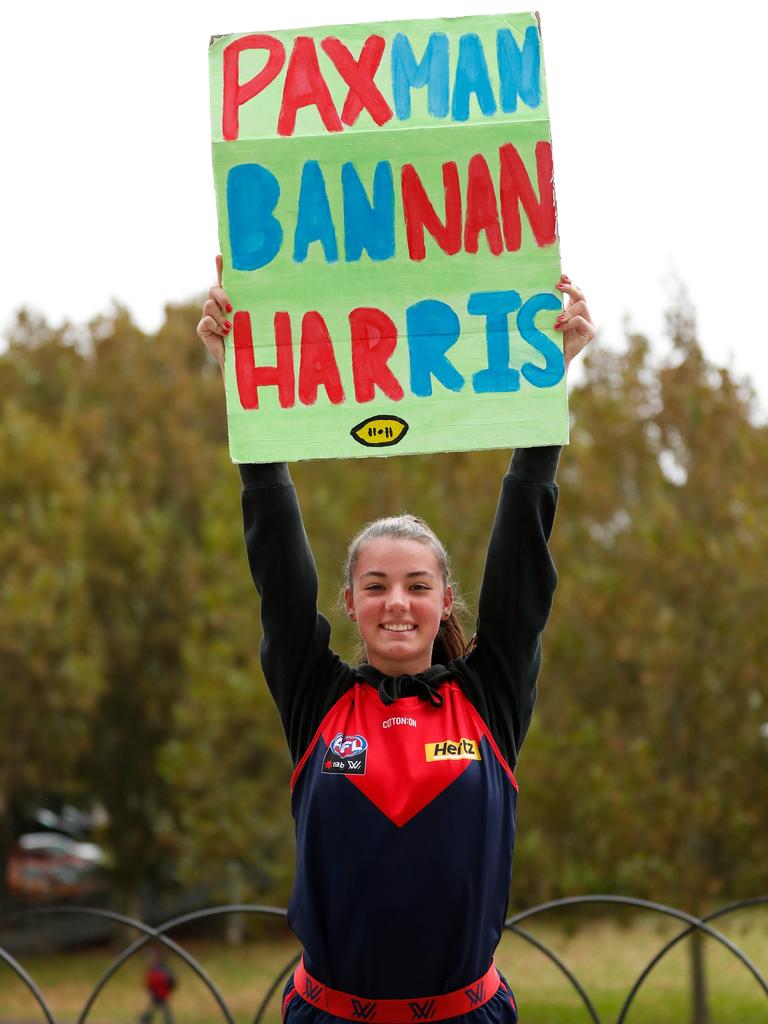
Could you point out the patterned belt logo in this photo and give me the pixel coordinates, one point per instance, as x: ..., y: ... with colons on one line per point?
x: 312, y: 990
x: 362, y: 1010
x: 423, y: 1011
x: 475, y: 995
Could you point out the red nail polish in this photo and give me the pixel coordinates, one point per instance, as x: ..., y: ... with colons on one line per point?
x: 229, y: 307
x: 227, y: 324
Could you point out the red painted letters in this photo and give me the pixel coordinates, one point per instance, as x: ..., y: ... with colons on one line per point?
x: 305, y: 87
x: 516, y: 188
x: 420, y: 213
x: 234, y: 94
x: 374, y: 338
x: 251, y: 377
x: 482, y: 208
x: 318, y: 363
x: 358, y: 74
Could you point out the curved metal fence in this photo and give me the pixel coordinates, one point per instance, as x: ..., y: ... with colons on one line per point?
x: 160, y: 935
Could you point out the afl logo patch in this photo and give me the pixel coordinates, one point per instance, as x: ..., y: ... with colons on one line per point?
x: 348, y: 746
x: 346, y: 755
x: 380, y: 431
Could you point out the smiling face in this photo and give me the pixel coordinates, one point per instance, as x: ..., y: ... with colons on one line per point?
x: 398, y: 599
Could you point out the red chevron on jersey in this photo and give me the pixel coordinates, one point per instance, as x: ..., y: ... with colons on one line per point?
x: 404, y: 769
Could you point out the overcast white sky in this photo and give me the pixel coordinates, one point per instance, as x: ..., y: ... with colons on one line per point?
x: 658, y: 126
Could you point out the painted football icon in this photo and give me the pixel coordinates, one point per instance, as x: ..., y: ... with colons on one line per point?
x: 380, y: 431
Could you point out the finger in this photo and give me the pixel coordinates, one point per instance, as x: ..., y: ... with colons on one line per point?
x: 212, y: 309
x: 565, y: 322
x: 574, y: 294
x: 564, y: 282
x: 574, y: 309
x: 208, y: 331
x: 219, y: 296
x: 210, y: 327
x: 582, y: 327
x: 219, y: 264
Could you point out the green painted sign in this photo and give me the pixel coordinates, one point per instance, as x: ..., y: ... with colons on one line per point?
x: 387, y: 224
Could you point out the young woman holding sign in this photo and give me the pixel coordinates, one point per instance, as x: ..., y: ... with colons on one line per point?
x: 403, y: 866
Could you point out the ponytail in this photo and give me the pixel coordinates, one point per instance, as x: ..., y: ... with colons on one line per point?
x: 451, y: 640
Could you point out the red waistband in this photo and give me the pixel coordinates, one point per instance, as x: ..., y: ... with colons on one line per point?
x: 396, y: 1011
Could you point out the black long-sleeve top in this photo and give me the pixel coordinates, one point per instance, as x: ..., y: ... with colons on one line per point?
x: 306, y: 677
x: 413, y: 772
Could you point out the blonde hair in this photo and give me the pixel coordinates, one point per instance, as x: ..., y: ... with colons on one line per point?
x: 451, y: 641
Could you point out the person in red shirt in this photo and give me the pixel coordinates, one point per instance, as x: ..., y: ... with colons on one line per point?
x: 160, y: 982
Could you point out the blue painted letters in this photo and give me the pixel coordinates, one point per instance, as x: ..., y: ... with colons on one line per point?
x: 495, y: 307
x: 471, y: 77
x: 433, y: 327
x: 314, y: 222
x: 432, y: 71
x: 255, y: 235
x: 519, y: 72
x: 548, y: 375
x: 369, y: 226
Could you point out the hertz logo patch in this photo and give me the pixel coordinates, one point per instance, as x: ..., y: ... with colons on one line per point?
x: 380, y: 431
x: 453, y: 750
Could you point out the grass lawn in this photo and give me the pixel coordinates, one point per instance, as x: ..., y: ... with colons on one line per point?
x: 605, y: 956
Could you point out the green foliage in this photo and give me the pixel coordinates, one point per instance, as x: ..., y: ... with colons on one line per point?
x: 227, y: 762
x: 50, y: 661
x: 129, y: 629
x: 646, y: 772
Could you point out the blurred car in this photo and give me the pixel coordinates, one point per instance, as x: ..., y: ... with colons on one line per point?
x: 50, y: 865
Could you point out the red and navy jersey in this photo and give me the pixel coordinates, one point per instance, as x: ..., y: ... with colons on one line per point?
x: 405, y: 823
x: 403, y: 793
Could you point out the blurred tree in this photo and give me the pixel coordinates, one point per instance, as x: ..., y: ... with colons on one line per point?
x: 50, y: 659
x: 655, y: 673
x: 226, y: 761
x: 148, y: 466
x: 111, y: 436
x: 645, y: 768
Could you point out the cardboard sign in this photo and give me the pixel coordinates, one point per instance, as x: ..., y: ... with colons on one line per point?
x: 387, y: 223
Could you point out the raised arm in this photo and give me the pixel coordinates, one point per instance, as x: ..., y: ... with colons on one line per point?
x: 515, y: 599
x: 519, y: 579
x: 304, y: 676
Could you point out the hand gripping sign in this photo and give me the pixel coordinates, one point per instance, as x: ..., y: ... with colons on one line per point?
x: 387, y: 224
